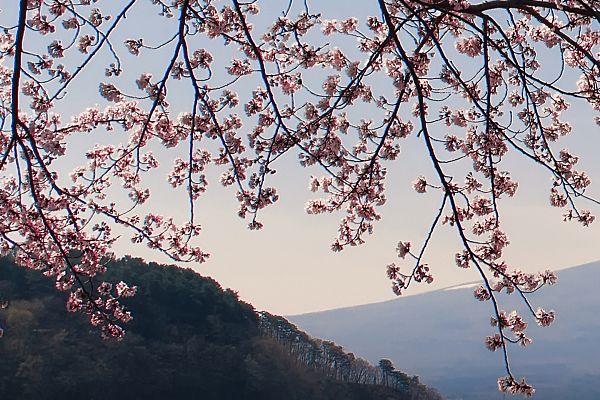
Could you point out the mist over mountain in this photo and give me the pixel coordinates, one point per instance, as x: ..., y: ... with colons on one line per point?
x: 439, y: 336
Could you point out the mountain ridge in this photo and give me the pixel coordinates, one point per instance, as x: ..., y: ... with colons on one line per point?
x: 407, y: 295
x: 431, y: 333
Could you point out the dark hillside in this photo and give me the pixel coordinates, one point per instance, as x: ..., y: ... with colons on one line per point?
x: 189, y: 339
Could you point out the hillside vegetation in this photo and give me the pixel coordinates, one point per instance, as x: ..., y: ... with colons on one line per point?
x: 189, y: 339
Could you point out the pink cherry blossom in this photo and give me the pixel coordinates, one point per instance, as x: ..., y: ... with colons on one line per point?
x: 341, y: 96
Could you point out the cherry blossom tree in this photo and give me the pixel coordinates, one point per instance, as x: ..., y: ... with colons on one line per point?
x: 468, y: 78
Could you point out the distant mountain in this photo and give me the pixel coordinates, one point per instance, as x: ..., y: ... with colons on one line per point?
x: 439, y: 335
x: 189, y: 339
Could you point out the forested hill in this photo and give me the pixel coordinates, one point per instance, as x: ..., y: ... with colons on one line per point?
x: 189, y: 339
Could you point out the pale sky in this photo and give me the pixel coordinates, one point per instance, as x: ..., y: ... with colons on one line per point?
x: 288, y: 267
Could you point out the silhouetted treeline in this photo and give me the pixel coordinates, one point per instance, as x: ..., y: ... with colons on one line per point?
x: 189, y: 339
x: 334, y: 362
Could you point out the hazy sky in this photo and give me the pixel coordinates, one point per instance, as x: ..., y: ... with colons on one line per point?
x: 288, y: 268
